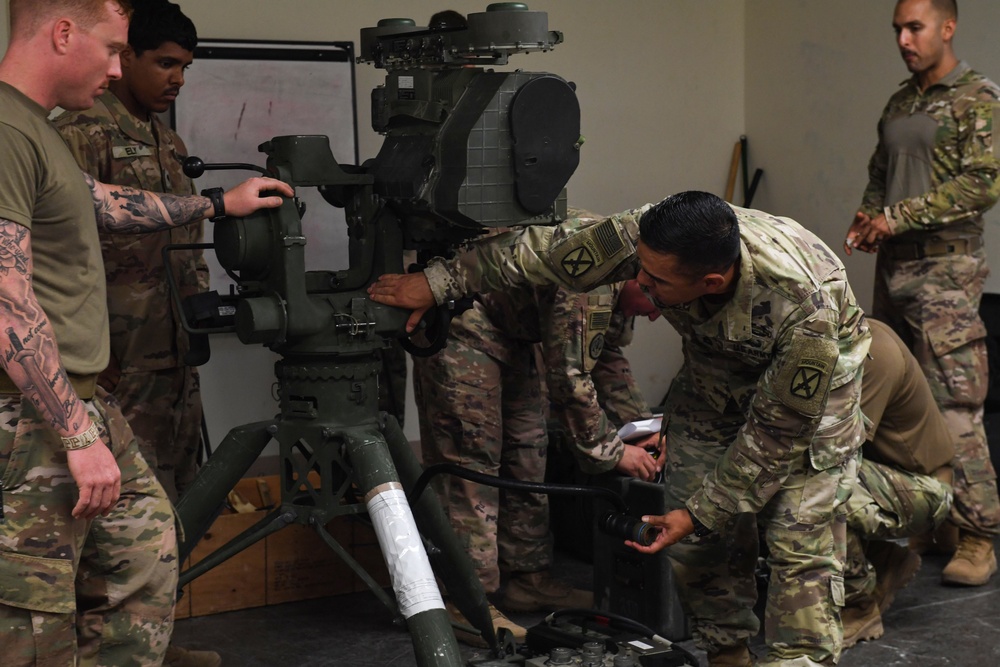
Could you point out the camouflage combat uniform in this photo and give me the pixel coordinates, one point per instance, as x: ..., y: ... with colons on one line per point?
x: 159, y: 394
x: 72, y: 591
x: 764, y: 424
x: 934, y: 173
x: 907, y: 442
x: 116, y: 608
x: 618, y: 392
x: 481, y: 406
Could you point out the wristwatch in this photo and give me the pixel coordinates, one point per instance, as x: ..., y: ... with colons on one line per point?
x: 700, y: 529
x: 218, y: 202
x: 82, y: 440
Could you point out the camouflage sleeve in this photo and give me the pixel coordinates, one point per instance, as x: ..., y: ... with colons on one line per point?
x: 973, y: 190
x: 788, y: 415
x: 617, y: 390
x: 573, y: 336
x: 90, y: 150
x: 874, y: 197
x: 578, y: 254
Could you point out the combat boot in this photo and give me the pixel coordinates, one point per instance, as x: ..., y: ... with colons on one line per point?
x: 943, y: 540
x: 538, y: 591
x: 973, y: 564
x: 731, y: 656
x: 895, y: 567
x: 862, y: 622
x: 182, y: 657
x: 475, y: 638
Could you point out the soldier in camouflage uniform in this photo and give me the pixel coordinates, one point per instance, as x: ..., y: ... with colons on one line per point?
x: 932, y: 176
x: 481, y: 406
x: 903, y: 485
x: 763, y: 420
x: 122, y: 141
x: 88, y: 557
x: 618, y: 392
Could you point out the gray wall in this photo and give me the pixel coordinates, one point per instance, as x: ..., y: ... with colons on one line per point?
x: 667, y: 86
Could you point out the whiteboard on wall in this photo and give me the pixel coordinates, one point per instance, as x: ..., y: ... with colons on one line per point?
x: 237, y: 95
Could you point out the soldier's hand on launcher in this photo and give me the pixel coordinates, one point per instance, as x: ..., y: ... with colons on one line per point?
x: 410, y: 290
x: 674, y: 526
x: 248, y: 196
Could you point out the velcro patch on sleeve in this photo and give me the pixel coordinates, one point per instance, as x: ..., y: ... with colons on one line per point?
x: 803, y: 383
x: 585, y: 256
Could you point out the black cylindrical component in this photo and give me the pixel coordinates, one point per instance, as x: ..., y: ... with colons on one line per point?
x: 627, y: 527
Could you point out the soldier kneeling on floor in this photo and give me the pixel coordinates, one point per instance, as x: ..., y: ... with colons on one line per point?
x: 904, y: 483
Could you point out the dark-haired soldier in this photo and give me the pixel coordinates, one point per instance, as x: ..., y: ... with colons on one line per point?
x: 122, y: 141
x: 764, y: 416
x: 933, y: 175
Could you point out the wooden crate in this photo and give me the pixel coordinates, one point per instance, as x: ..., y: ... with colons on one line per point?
x: 292, y: 564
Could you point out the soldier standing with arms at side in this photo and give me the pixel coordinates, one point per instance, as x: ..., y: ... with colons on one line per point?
x: 88, y: 560
x: 120, y: 140
x: 932, y: 177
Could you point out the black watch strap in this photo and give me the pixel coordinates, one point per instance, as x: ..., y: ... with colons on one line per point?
x: 700, y: 529
x: 218, y: 202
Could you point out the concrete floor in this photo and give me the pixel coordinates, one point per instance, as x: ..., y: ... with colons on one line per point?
x: 928, y: 626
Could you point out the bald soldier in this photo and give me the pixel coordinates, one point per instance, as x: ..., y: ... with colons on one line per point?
x: 764, y: 422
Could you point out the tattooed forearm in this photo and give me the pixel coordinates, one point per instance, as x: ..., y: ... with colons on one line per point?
x: 121, y: 209
x: 182, y: 210
x: 38, y: 387
x: 28, y: 350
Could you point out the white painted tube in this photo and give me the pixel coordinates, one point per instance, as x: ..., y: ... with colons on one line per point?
x: 409, y: 568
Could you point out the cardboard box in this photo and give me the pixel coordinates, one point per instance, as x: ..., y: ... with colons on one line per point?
x: 291, y: 564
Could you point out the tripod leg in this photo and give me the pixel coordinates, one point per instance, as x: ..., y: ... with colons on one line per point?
x: 413, y: 581
x: 450, y: 559
x: 203, y: 499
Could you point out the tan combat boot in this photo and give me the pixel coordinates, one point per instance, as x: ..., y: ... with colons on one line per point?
x: 862, y: 622
x: 182, y: 657
x: 895, y: 567
x: 538, y: 591
x: 731, y: 656
x: 473, y: 637
x: 974, y: 562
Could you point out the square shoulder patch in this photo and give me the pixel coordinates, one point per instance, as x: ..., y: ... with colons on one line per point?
x: 803, y: 383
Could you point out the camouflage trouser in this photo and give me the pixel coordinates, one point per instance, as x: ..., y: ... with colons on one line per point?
x: 164, y: 410
x: 888, y: 503
x: 803, y: 524
x: 487, y: 416
x: 75, y: 592
x: 933, y: 304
